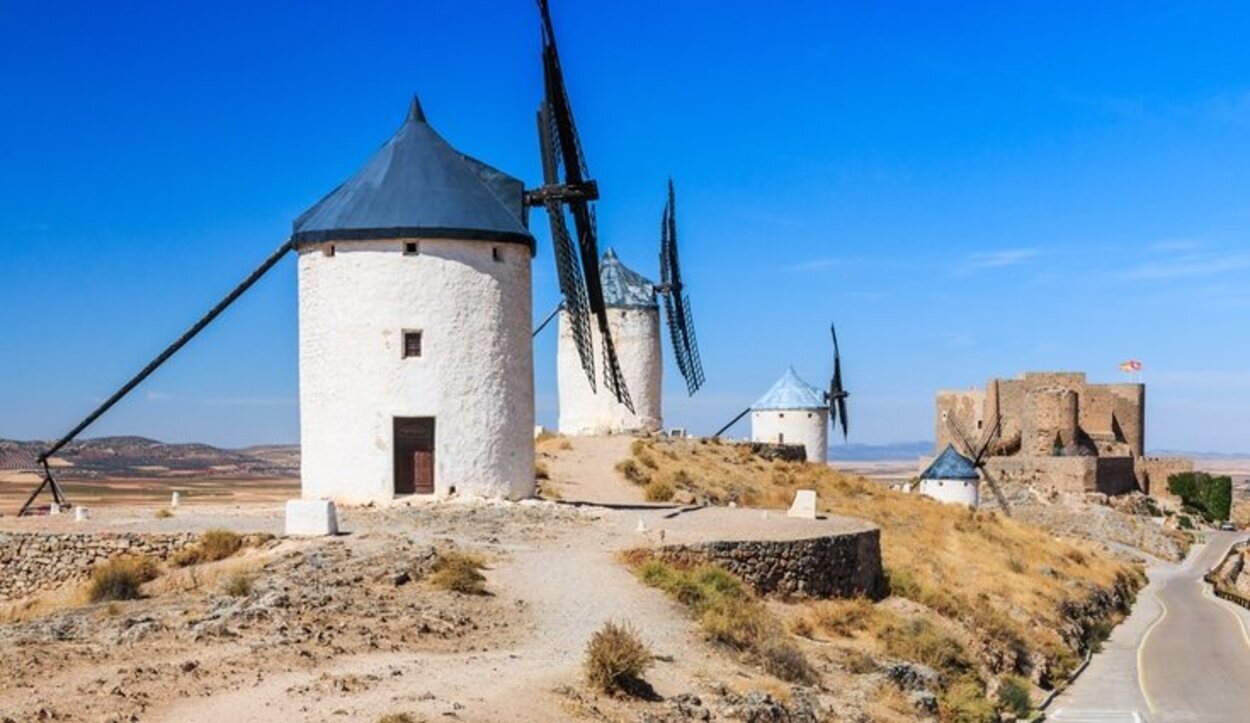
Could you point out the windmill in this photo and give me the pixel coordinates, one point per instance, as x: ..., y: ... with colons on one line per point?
x: 566, y: 184
x: 834, y: 400
x: 404, y: 207
x: 977, y: 451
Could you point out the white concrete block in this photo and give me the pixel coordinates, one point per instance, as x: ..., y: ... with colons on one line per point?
x: 311, y: 518
x: 81, y: 514
x: 804, y: 506
x: 539, y: 430
x: 174, y: 499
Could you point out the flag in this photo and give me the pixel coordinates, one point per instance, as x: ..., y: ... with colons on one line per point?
x: 1130, y: 366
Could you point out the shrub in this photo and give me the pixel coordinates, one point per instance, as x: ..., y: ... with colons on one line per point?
x: 784, y: 661
x: 920, y: 641
x: 658, y: 491
x: 212, y: 546
x: 460, y: 572
x: 120, y: 578
x: 541, y: 471
x: 1211, y: 496
x: 632, y: 472
x: 843, y: 618
x: 616, y: 659
x: 238, y: 586
x: 1014, y: 696
x: 964, y: 702
x: 163, y: 513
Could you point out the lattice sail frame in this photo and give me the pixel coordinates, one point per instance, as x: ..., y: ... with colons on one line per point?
x: 676, y: 303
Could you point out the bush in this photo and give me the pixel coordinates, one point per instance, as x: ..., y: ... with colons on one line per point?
x: 616, y: 659
x: 120, y: 578
x: 212, y: 546
x: 163, y: 513
x: 632, y: 472
x: 784, y: 661
x: 1211, y: 496
x: 238, y: 586
x: 920, y: 641
x: 964, y: 702
x: 1015, y: 696
x: 460, y: 572
x: 658, y: 491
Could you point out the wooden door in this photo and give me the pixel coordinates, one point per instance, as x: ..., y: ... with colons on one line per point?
x: 414, y: 455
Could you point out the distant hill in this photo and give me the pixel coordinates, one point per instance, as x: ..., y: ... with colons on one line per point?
x: 1198, y: 455
x: 879, y: 452
x: 142, y: 457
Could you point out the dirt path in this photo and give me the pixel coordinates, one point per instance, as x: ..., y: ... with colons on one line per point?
x: 583, y: 470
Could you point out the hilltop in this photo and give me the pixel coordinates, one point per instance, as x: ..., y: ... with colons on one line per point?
x: 141, y: 457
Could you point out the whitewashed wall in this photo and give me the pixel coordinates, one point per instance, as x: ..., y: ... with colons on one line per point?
x: 475, y: 375
x: 808, y: 427
x: 636, y: 334
x: 956, y: 491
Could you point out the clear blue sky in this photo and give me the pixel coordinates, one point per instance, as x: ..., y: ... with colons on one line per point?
x: 969, y: 191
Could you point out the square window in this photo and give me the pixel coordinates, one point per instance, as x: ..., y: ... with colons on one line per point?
x: 411, y: 248
x: 412, y: 344
x: 328, y: 249
x: 496, y: 254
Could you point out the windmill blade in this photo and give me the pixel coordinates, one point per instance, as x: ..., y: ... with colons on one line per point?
x: 677, y: 310
x: 732, y: 422
x: 562, y: 156
x: 998, y: 492
x: 988, y: 438
x: 837, y: 394
x: 960, y: 436
x: 554, y: 313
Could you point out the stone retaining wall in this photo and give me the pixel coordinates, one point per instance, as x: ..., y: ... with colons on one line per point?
x: 844, y: 565
x: 32, y: 562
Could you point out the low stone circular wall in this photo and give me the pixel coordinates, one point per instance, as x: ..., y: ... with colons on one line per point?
x: 841, y: 566
x: 32, y: 562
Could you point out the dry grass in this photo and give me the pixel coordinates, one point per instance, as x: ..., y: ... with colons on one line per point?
x: 212, y: 546
x: 121, y: 578
x: 397, y: 718
x: 541, y: 472
x: 981, y: 581
x: 729, y: 614
x: 237, y: 585
x: 617, y: 659
x: 460, y: 572
x: 163, y: 514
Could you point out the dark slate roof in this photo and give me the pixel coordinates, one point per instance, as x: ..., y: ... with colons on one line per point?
x: 951, y: 465
x: 791, y: 392
x: 624, y: 288
x: 417, y: 185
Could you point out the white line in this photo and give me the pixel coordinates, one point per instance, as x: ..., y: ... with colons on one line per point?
x: 1141, y: 669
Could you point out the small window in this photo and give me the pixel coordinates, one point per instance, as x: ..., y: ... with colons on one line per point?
x: 411, y: 248
x: 781, y: 415
x: 496, y: 253
x: 328, y: 249
x: 412, y: 344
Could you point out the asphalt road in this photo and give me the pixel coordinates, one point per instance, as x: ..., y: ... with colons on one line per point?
x: 1182, y: 655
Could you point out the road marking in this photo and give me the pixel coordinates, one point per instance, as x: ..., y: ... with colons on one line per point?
x: 1226, y: 606
x: 1095, y: 715
x: 1141, y: 669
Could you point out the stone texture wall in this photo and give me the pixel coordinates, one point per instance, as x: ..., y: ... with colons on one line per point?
x: 783, y: 452
x: 844, y: 565
x: 1153, y: 473
x: 965, y: 408
x: 32, y: 562
x: 1067, y: 475
x: 1050, y: 420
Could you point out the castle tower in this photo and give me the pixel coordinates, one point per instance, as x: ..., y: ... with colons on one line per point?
x: 416, y: 364
x: 1050, y: 421
x: 793, y: 412
x: 951, y: 478
x: 634, y: 321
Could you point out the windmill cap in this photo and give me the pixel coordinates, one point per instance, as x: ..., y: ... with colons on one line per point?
x: 624, y: 288
x: 791, y: 392
x: 417, y: 186
x: 951, y: 465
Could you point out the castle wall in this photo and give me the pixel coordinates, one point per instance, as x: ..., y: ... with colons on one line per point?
x: 966, y: 409
x: 1050, y: 419
x: 808, y: 427
x: 1153, y: 473
x: 475, y: 375
x: 1061, y: 475
x: 584, y: 411
x: 1130, y: 414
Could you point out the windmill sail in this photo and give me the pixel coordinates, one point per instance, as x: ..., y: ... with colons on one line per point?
x: 676, y: 303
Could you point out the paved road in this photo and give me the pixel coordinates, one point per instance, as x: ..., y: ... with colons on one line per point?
x: 1182, y: 655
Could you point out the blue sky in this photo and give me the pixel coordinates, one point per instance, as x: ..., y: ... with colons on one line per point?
x: 968, y: 191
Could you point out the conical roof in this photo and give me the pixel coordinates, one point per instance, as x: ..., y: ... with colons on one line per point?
x: 791, y: 392
x: 951, y: 465
x: 417, y: 186
x: 624, y: 288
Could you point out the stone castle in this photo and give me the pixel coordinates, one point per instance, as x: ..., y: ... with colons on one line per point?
x: 1059, y: 433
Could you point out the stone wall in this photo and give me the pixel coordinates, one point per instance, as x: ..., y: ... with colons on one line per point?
x: 32, y: 562
x: 1067, y: 475
x: 1153, y: 473
x: 844, y: 565
x: 783, y: 452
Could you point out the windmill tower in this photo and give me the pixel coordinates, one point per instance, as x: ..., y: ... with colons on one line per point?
x: 793, y: 412
x: 634, y: 317
x: 633, y: 311
x: 952, y: 478
x: 416, y: 365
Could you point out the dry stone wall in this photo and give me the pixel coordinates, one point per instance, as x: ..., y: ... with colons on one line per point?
x: 32, y: 562
x: 844, y: 565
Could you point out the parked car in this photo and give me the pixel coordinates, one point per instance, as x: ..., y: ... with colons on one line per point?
x: 1228, y: 526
